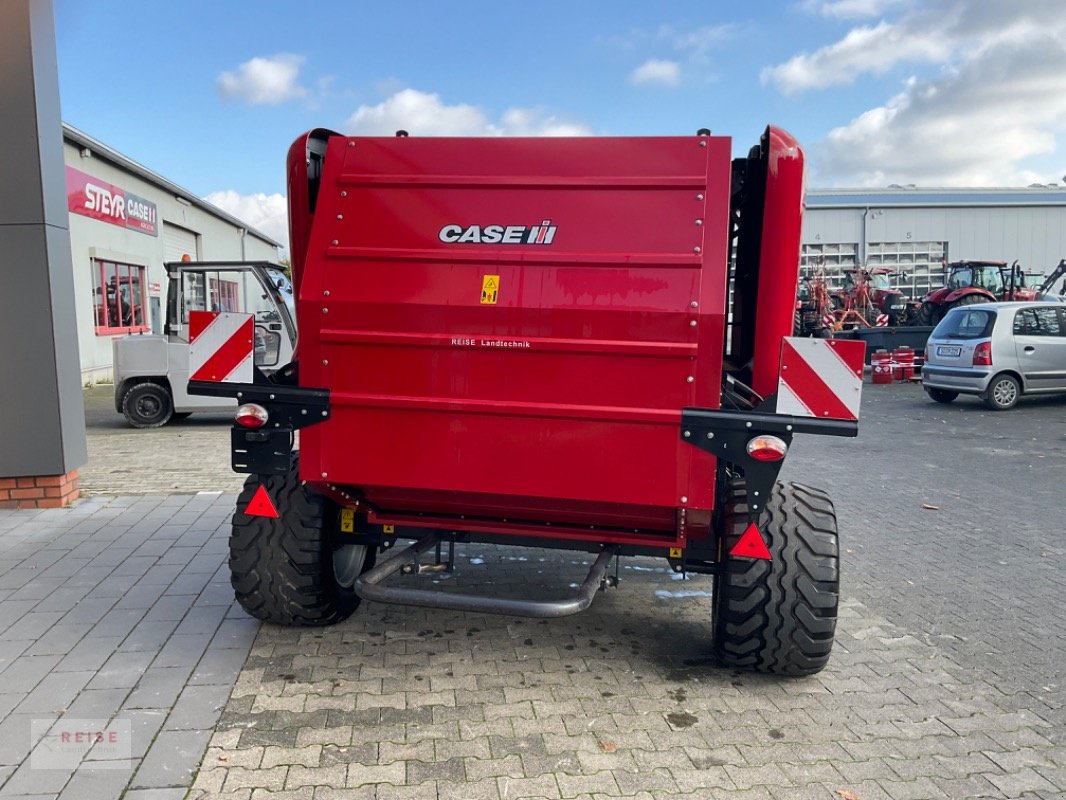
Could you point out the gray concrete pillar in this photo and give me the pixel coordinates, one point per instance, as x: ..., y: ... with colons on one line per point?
x: 42, y: 418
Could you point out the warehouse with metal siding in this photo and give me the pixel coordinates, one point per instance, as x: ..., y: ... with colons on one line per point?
x: 126, y: 221
x: 914, y: 231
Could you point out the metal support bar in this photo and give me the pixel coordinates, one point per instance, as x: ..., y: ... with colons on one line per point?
x: 725, y: 433
x: 367, y: 587
x: 289, y: 406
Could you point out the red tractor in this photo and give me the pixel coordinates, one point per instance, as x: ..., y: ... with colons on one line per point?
x: 971, y: 282
x: 539, y: 342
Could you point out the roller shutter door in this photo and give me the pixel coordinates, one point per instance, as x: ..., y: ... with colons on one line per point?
x: 178, y: 241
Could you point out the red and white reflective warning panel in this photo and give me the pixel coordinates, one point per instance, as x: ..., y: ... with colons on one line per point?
x: 221, y: 346
x: 820, y: 378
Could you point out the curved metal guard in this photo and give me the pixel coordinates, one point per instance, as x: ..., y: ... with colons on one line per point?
x: 368, y: 587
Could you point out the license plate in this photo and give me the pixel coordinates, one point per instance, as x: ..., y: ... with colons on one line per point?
x: 948, y: 350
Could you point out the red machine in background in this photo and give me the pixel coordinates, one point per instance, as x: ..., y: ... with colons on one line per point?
x: 868, y: 298
x: 525, y: 341
x: 974, y: 282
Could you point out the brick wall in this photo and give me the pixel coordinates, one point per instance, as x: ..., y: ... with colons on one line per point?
x: 40, y: 491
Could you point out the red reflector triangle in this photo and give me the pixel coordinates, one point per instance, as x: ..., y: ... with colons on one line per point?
x: 750, y: 544
x: 261, y: 505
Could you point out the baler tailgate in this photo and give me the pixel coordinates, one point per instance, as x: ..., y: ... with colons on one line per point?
x: 559, y: 388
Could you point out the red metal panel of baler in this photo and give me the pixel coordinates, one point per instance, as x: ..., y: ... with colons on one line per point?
x: 559, y: 402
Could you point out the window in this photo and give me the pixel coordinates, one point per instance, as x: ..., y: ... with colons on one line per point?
x: 964, y: 323
x: 118, y: 297
x: 832, y: 258
x: 236, y: 290
x: 1037, y: 322
x: 918, y: 266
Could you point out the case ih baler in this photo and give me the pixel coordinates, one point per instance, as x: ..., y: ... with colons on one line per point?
x: 540, y: 342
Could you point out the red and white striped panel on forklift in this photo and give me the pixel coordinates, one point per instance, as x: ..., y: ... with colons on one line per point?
x: 221, y: 346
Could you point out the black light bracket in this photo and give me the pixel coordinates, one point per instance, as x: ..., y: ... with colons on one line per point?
x: 725, y: 434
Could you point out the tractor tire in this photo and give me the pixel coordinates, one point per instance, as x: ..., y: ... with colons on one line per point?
x: 928, y: 314
x: 778, y: 616
x: 941, y: 395
x: 1003, y: 392
x: 294, y: 570
x: 797, y: 324
x: 147, y: 405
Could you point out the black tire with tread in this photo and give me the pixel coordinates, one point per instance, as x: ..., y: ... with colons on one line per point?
x: 282, y: 569
x: 941, y: 395
x: 927, y: 314
x: 147, y: 405
x: 779, y: 616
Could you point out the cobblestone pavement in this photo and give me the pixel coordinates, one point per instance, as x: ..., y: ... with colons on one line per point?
x: 191, y: 455
x: 945, y: 682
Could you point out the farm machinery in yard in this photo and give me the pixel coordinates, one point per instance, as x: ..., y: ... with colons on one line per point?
x: 867, y: 299
x: 539, y: 342
x: 971, y: 282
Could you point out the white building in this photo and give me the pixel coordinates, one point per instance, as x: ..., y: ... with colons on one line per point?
x: 914, y: 231
x: 125, y: 223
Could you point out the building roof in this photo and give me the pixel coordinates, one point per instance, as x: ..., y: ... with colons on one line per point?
x: 98, y: 148
x: 909, y: 196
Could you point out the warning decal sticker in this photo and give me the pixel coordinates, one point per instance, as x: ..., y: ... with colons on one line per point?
x: 490, y: 289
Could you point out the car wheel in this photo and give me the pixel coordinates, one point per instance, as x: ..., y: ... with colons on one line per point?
x: 1003, y: 392
x: 941, y: 395
x: 147, y: 405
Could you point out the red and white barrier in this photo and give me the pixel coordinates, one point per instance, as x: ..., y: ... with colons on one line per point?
x: 221, y: 346
x: 820, y: 378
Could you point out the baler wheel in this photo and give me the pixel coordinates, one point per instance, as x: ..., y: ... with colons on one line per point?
x: 778, y: 616
x: 288, y: 570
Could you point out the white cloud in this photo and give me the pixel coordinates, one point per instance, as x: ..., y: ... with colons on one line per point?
x: 874, y: 50
x: 268, y: 213
x: 852, y: 9
x: 993, y: 113
x: 700, y: 41
x: 425, y: 114
x: 657, y: 73
x: 264, y: 81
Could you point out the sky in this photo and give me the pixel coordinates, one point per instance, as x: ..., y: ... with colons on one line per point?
x: 879, y: 92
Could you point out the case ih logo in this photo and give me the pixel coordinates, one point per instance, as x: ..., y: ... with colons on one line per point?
x: 499, y: 234
x: 92, y: 197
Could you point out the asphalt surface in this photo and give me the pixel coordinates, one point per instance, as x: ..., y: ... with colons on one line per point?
x: 946, y: 680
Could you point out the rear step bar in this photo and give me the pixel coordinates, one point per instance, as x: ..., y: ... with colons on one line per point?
x: 367, y: 587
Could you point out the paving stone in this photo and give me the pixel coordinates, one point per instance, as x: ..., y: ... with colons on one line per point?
x: 362, y: 774
x: 99, y: 780
x: 158, y: 687
x: 197, y: 708
x: 54, y: 693
x: 172, y: 759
